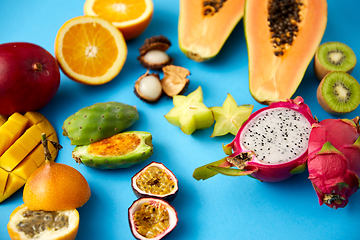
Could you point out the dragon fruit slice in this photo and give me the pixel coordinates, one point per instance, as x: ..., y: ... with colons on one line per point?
x: 270, y: 146
x: 334, y: 160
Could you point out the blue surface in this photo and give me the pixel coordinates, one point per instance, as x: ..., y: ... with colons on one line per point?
x: 221, y: 207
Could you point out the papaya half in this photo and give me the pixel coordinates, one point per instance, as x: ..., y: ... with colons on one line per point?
x: 282, y: 37
x: 205, y: 25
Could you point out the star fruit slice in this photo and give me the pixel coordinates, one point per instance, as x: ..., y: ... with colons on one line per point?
x: 190, y: 113
x: 230, y: 116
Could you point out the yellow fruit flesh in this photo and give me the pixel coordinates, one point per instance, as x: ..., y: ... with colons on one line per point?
x: 25, y: 152
x: 11, y: 130
x: 2, y: 120
x: 3, y: 179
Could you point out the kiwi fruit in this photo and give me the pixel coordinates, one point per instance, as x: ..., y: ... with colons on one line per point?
x: 338, y: 93
x: 333, y: 56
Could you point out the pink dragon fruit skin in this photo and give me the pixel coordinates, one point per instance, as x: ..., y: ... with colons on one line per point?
x: 334, y: 160
x: 271, y: 172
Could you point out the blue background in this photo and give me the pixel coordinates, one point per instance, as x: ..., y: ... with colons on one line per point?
x: 221, y: 207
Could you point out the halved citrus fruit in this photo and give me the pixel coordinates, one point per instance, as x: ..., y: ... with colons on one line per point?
x: 132, y: 17
x: 90, y: 50
x: 25, y: 224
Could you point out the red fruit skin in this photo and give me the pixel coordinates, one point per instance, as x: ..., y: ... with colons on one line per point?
x: 334, y: 172
x: 276, y: 172
x: 22, y: 88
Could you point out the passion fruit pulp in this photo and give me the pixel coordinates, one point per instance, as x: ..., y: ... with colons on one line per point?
x: 155, y: 180
x: 43, y: 225
x: 151, y: 218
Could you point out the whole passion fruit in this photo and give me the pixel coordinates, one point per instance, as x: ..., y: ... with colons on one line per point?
x: 29, y: 77
x: 155, y: 180
x: 151, y: 218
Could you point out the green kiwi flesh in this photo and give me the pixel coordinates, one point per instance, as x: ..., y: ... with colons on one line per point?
x: 334, y: 56
x: 339, y: 93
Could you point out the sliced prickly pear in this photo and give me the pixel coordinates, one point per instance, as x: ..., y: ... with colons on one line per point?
x: 122, y: 150
x: 190, y: 113
x: 99, y: 121
x: 230, y: 116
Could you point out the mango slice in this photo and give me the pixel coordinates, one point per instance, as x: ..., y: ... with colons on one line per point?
x: 2, y: 120
x: 11, y: 130
x: 21, y: 151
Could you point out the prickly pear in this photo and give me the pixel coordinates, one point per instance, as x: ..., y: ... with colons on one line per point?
x: 99, y: 121
x: 122, y: 150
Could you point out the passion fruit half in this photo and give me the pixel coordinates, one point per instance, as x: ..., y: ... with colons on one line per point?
x: 28, y: 224
x: 155, y: 180
x: 151, y: 218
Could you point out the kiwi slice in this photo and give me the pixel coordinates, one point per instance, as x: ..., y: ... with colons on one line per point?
x: 338, y: 93
x: 333, y: 56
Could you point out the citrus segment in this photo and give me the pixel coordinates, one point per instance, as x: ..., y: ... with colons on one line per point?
x: 90, y: 50
x: 132, y: 17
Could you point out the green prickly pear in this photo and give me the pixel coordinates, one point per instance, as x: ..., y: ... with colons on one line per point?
x: 99, y: 121
x: 122, y: 150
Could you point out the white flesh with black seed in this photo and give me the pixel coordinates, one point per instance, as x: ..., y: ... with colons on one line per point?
x: 276, y: 136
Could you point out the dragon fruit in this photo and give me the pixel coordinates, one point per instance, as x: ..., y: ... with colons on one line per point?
x: 334, y: 160
x: 270, y: 146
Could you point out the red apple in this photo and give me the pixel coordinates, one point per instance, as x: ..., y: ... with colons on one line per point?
x: 29, y: 77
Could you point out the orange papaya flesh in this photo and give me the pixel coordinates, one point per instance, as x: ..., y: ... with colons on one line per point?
x: 276, y: 76
x: 21, y: 150
x: 203, y: 29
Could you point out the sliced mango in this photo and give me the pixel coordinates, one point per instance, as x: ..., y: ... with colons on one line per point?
x: 34, y: 118
x: 2, y: 120
x: 25, y: 152
x: 3, y: 179
x: 13, y: 184
x: 25, y: 168
x: 11, y: 130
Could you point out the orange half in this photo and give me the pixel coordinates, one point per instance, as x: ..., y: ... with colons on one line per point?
x: 90, y: 50
x: 132, y: 17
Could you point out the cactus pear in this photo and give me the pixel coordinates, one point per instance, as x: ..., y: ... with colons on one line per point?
x: 99, y: 121
x: 122, y: 150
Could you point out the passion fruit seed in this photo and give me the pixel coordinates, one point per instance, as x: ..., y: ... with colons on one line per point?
x: 156, y: 181
x: 151, y: 220
x: 36, y: 222
x: 212, y: 6
x: 156, y: 57
x: 284, y: 19
x: 149, y: 88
